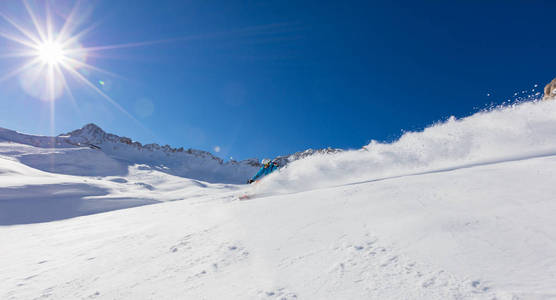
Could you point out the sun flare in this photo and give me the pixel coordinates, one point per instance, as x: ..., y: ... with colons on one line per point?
x: 51, y: 53
x: 47, y: 41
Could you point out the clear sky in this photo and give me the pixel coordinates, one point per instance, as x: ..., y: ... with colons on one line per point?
x: 263, y: 78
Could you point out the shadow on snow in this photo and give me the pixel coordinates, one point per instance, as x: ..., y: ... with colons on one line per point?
x: 43, y: 203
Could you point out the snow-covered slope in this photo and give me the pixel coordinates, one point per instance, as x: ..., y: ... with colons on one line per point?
x: 462, y: 210
x: 89, y: 171
x: 29, y: 195
x: 480, y: 233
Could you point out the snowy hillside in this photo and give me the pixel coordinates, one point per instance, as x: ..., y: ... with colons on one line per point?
x: 89, y: 171
x: 29, y: 195
x: 463, y: 210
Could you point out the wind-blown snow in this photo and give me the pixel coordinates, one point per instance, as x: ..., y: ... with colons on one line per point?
x: 502, y: 134
x: 462, y: 210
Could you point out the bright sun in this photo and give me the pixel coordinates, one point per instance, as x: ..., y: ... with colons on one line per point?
x: 51, y: 53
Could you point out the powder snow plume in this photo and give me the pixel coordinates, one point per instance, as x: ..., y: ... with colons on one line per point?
x: 505, y: 133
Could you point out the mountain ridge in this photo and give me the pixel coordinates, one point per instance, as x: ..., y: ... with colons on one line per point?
x: 116, y: 152
x: 92, y: 134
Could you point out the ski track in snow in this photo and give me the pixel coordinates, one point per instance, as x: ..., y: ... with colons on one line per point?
x: 480, y: 227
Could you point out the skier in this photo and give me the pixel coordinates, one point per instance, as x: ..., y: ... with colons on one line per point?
x: 267, y: 168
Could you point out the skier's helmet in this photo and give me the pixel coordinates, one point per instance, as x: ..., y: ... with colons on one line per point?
x: 265, y: 161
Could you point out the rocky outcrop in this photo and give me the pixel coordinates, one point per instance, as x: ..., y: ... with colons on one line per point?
x: 286, y: 159
x: 550, y: 90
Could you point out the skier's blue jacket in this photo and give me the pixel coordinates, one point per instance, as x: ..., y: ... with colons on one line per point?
x: 265, y: 170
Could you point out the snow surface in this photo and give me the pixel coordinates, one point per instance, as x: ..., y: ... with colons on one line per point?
x: 463, y: 210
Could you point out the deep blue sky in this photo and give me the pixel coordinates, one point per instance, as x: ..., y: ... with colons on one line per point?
x: 263, y: 78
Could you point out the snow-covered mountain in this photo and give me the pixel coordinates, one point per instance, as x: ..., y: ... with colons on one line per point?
x: 462, y: 210
x: 90, y: 151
